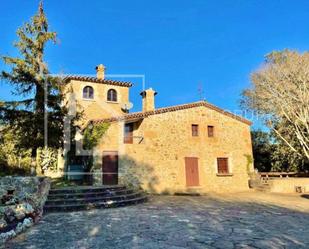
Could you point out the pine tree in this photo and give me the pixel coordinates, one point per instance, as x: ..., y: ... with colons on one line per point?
x: 37, y: 119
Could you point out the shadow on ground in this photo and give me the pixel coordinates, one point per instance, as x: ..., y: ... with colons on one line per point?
x: 173, y: 222
x: 305, y: 196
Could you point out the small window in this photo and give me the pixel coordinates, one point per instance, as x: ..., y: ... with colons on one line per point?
x: 88, y: 92
x: 223, y: 166
x: 210, y: 130
x: 112, y: 95
x: 128, y: 133
x: 195, y: 130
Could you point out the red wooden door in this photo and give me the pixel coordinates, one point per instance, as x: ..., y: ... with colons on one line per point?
x: 110, y: 168
x: 192, y: 175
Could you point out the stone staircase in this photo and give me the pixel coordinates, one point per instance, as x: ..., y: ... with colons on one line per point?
x: 89, y: 197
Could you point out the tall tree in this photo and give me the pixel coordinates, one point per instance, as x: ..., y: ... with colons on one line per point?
x: 283, y: 157
x: 280, y: 93
x: 262, y: 150
x: 273, y: 154
x: 37, y: 117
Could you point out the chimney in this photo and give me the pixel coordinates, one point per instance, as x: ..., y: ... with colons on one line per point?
x: 100, y: 72
x: 148, y: 100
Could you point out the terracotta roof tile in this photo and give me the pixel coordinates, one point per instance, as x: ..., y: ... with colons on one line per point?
x: 137, y: 115
x: 96, y: 80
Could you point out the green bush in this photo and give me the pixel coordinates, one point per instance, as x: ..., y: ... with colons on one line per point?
x: 92, y: 135
x: 47, y: 159
x: 13, y: 160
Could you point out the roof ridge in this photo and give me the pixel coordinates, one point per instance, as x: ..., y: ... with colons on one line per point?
x: 171, y: 109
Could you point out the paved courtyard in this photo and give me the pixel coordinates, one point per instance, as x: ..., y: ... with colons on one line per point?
x: 249, y: 220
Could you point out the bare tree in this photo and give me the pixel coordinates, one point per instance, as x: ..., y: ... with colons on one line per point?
x: 280, y: 94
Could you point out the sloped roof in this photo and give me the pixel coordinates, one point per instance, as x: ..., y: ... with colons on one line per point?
x: 138, y: 115
x: 96, y: 80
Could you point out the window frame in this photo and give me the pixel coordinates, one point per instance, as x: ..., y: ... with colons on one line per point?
x: 88, y: 94
x: 195, y: 130
x: 210, y: 130
x: 220, y: 171
x: 128, y: 135
x: 112, y: 95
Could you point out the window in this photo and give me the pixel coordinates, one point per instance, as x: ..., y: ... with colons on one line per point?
x: 194, y: 130
x: 223, y: 167
x: 112, y: 95
x: 128, y: 133
x: 210, y: 130
x: 88, y: 92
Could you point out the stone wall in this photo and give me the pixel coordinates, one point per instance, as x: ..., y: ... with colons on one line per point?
x: 21, y: 203
x: 288, y: 185
x: 157, y: 162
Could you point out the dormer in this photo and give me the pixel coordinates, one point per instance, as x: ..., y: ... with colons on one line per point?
x: 99, y: 97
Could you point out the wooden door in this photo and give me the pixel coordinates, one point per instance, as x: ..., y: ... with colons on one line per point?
x: 110, y: 168
x: 192, y: 175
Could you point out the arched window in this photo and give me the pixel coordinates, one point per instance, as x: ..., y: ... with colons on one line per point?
x: 112, y: 95
x: 88, y: 92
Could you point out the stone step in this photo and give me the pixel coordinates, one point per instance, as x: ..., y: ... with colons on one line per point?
x: 87, y: 199
x: 90, y: 205
x: 85, y: 189
x: 89, y: 194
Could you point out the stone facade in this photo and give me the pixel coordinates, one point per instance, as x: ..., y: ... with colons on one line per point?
x: 156, y: 159
x: 162, y: 139
x: 98, y: 107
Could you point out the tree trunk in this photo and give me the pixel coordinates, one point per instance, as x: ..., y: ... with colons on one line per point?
x: 33, y: 162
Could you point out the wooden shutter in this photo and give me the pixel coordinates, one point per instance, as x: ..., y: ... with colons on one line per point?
x: 223, y: 167
x: 194, y: 130
x: 210, y: 130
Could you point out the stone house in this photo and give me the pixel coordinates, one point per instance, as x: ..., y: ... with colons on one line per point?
x: 189, y: 147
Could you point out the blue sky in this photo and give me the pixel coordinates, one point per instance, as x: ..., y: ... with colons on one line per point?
x: 178, y: 45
